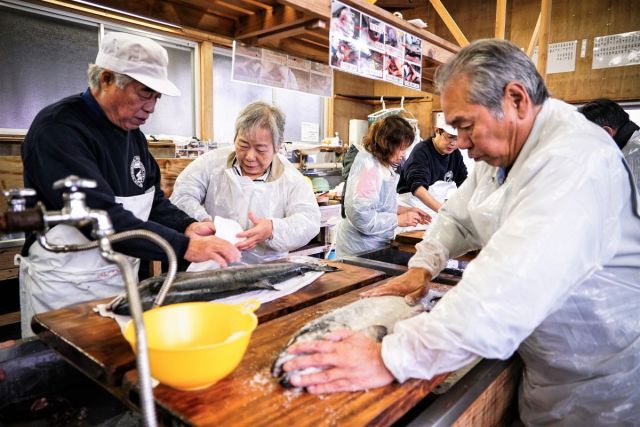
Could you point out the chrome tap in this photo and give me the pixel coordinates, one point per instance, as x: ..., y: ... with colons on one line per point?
x: 76, y: 213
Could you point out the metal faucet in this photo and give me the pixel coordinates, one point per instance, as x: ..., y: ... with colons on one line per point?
x: 17, y: 202
x: 76, y: 213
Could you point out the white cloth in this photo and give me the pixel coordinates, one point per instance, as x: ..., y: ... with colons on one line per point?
x: 49, y: 280
x: 370, y: 207
x: 209, y: 187
x: 631, y: 153
x: 558, y: 278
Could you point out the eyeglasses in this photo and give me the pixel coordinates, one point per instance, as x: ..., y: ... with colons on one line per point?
x: 449, y: 137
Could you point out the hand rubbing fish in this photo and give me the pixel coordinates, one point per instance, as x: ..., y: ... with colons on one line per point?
x: 214, y: 284
x: 375, y: 317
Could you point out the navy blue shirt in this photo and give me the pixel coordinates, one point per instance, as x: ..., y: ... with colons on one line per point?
x: 426, y: 166
x: 75, y: 137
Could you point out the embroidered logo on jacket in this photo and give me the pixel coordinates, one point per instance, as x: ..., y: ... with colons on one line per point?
x: 138, y: 172
x: 448, y: 177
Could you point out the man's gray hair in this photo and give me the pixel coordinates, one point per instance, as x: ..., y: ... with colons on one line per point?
x: 93, y: 72
x: 261, y: 115
x: 490, y: 64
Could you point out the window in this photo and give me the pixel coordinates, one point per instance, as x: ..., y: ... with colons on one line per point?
x: 230, y: 97
x: 38, y: 65
x: 45, y: 54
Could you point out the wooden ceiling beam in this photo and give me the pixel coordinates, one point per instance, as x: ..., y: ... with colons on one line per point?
x: 399, y: 4
x: 237, y: 6
x: 318, y: 9
x: 281, y: 18
x: 293, y: 31
x: 196, y: 22
x: 450, y: 22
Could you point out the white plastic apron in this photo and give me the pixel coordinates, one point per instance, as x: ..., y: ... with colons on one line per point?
x: 440, y: 190
x: 49, y: 280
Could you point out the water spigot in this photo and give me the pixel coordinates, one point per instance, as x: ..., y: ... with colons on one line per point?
x: 17, y: 198
x: 73, y: 183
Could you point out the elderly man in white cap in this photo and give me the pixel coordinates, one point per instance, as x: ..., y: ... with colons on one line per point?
x: 434, y: 169
x: 96, y: 135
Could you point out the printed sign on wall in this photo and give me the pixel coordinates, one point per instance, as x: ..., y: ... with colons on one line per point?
x: 366, y: 46
x: 617, y: 50
x: 275, y: 69
x: 561, y: 57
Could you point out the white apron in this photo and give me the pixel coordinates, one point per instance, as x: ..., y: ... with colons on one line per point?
x: 440, y: 190
x: 49, y: 280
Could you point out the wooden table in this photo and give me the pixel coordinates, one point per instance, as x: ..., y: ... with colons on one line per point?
x: 249, y: 396
x: 95, y: 345
x: 407, y: 242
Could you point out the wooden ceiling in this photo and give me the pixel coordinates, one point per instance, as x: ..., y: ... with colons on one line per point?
x: 297, y: 27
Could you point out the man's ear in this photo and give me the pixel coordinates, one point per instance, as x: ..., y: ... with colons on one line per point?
x: 107, y: 78
x: 516, y: 95
x: 611, y: 131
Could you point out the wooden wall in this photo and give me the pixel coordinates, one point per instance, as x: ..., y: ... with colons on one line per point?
x: 570, y: 20
x: 348, y: 104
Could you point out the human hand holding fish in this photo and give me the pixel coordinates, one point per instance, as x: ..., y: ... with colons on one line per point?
x: 352, y: 362
x: 262, y: 230
x: 413, y: 285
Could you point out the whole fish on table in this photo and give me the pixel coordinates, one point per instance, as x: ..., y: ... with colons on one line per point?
x: 375, y: 317
x: 214, y: 284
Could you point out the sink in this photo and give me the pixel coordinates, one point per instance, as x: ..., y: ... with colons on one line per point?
x: 11, y: 240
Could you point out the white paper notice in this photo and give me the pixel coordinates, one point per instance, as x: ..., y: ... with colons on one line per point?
x: 309, y: 132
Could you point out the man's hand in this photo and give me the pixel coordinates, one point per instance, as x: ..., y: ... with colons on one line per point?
x: 262, y: 230
x: 352, y: 361
x: 200, y: 229
x: 413, y: 285
x: 211, y: 248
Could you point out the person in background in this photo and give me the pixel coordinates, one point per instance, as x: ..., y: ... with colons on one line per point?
x: 552, y: 206
x: 433, y: 170
x: 96, y: 135
x: 371, y: 210
x: 253, y: 185
x: 613, y: 119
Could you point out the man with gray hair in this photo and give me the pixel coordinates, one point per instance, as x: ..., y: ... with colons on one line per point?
x: 552, y: 208
x: 253, y: 185
x: 96, y: 136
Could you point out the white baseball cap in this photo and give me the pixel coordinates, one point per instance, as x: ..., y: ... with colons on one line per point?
x: 441, y: 124
x: 138, y: 57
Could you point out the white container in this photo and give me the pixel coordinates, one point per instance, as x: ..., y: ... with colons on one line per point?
x: 357, y: 130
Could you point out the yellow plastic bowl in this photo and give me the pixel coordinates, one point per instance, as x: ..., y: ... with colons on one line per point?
x: 194, y: 345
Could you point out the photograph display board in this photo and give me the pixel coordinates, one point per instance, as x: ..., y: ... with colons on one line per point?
x: 617, y: 50
x: 369, y: 47
x: 275, y: 69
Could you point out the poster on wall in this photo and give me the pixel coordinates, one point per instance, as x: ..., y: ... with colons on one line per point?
x: 617, y: 50
x: 275, y: 69
x: 363, y: 45
x: 561, y: 57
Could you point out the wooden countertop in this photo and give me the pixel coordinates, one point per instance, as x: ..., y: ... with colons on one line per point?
x: 249, y: 396
x: 95, y: 345
x: 407, y: 241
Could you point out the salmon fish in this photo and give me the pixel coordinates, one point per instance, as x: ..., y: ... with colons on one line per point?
x: 375, y: 317
x: 214, y: 284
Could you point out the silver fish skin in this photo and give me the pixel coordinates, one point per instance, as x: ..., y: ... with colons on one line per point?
x: 375, y: 317
x: 213, y: 284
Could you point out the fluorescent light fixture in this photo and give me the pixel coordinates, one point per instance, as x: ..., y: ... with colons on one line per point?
x: 123, y: 12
